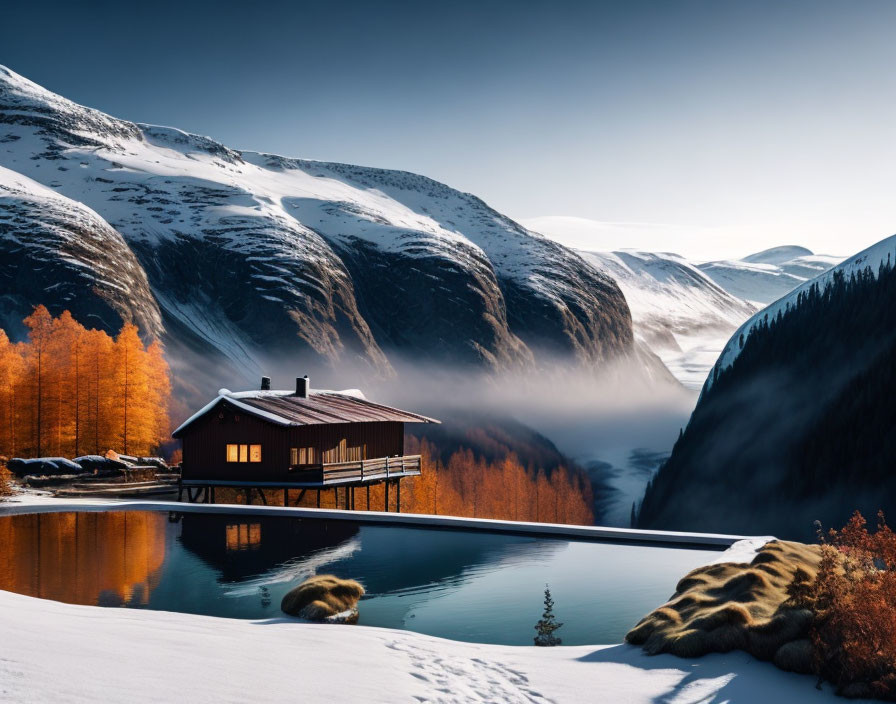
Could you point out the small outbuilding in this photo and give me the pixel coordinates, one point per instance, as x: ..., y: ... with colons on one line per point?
x: 302, y: 439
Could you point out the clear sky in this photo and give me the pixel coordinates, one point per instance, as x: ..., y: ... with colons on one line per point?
x: 718, y: 127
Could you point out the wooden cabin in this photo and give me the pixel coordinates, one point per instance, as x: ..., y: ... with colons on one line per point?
x: 303, y: 439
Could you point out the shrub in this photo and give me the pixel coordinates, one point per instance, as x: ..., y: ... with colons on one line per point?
x: 853, y: 598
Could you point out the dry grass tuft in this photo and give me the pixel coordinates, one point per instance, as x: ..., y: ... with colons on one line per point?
x: 321, y: 597
x: 733, y: 606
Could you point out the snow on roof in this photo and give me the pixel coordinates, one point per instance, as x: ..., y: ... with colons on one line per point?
x: 283, y: 407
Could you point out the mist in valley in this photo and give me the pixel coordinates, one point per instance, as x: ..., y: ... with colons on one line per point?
x: 615, y: 422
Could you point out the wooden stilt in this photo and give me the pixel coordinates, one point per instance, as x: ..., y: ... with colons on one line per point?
x: 286, y: 497
x: 398, y: 495
x: 213, y: 495
x: 318, y: 498
x: 386, y: 501
x: 368, y: 498
x: 264, y: 499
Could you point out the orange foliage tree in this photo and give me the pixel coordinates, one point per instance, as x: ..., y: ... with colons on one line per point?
x: 467, y: 485
x: 69, y: 390
x: 853, y: 599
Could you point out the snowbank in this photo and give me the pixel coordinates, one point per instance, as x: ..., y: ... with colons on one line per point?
x: 56, y: 652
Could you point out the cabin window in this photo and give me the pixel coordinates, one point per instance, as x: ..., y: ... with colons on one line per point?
x: 337, y: 453
x: 302, y: 455
x: 244, y: 453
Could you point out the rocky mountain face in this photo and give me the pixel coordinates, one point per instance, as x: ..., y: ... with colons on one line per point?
x: 795, y: 422
x: 53, y: 248
x: 236, y: 257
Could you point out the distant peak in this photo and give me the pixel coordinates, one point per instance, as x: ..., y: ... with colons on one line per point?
x: 778, y: 255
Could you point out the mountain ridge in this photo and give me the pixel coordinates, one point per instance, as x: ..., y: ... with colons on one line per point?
x: 252, y: 256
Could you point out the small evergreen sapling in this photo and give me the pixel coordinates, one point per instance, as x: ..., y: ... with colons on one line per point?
x: 547, y: 625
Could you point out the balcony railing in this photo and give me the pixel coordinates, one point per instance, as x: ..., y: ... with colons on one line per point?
x: 357, y: 471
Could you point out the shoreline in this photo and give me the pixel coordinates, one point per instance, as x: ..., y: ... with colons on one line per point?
x: 145, y: 656
x: 40, y: 503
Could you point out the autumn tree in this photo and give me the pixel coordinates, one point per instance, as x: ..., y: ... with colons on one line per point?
x: 69, y: 390
x: 39, y: 373
x: 12, y: 366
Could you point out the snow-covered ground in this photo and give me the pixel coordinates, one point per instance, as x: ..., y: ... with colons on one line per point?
x: 56, y: 652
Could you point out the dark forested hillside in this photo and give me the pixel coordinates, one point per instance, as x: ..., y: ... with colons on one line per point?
x: 801, y: 426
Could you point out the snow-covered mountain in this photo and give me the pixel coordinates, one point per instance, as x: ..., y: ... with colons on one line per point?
x: 669, y: 297
x: 873, y: 257
x: 251, y: 256
x: 679, y: 312
x: 766, y: 276
x: 795, y: 422
x: 54, y: 250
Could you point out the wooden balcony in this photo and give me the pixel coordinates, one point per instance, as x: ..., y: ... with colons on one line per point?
x: 356, y: 472
x: 347, y: 476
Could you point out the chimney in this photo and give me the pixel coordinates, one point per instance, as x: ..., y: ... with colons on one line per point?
x: 265, y: 383
x: 302, y: 387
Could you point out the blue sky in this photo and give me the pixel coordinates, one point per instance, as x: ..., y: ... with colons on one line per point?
x: 725, y: 126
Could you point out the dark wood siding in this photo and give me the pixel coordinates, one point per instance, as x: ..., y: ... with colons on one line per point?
x: 205, y: 442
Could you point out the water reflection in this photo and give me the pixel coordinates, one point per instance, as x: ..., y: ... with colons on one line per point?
x: 245, y: 547
x: 105, y: 558
x: 475, y: 586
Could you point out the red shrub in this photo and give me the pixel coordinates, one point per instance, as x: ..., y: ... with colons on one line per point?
x: 854, y: 601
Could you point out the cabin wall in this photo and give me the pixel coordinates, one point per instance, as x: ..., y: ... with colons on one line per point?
x: 205, y: 442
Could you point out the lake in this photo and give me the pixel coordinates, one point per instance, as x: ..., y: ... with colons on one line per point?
x: 462, y: 584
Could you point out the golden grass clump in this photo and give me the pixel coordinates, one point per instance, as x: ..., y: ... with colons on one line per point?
x: 323, y: 597
x: 737, y: 606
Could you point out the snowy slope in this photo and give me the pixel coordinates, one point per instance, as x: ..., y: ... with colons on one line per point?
x: 251, y: 254
x: 872, y: 257
x: 54, y: 249
x: 778, y: 255
x: 668, y: 296
x: 677, y: 310
x: 766, y: 276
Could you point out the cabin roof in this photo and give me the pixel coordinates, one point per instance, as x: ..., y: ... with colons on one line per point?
x: 319, y: 407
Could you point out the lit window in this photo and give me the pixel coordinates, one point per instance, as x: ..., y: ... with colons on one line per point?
x: 244, y: 453
x: 302, y: 455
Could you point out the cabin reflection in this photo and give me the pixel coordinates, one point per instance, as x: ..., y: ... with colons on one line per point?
x: 242, y: 536
x: 103, y: 558
x: 239, y: 549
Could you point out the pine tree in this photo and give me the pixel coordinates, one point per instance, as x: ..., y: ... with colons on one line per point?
x: 547, y: 625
